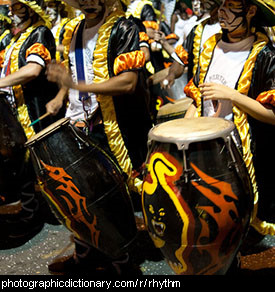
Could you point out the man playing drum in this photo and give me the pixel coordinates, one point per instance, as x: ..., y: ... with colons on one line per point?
x: 107, y: 93
x: 24, y: 84
x: 236, y: 81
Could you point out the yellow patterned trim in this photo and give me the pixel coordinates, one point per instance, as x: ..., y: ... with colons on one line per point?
x: 6, y: 32
x: 67, y: 38
x: 139, y: 8
x: 38, y: 10
x: 5, y: 18
x: 151, y: 24
x: 23, y: 115
x: 128, y: 61
x: 196, y: 46
x: 56, y: 38
x: 182, y: 54
x: 240, y: 118
x: 112, y: 131
x: 267, y: 98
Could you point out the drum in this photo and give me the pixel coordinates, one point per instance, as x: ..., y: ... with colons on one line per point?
x: 197, y: 197
x: 12, y: 157
x: 84, y: 187
x: 172, y: 111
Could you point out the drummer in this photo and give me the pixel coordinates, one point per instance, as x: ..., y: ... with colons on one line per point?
x: 26, y: 88
x: 5, y: 28
x: 107, y: 94
x: 60, y: 14
x: 206, y: 25
x: 237, y: 82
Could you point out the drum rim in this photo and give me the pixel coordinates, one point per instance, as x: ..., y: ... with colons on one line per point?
x: 184, y: 143
x: 48, y: 130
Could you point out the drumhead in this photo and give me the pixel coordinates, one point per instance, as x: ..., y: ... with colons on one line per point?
x: 184, y: 131
x: 178, y: 106
x: 51, y: 128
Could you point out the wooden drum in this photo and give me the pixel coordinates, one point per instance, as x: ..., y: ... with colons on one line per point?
x: 84, y: 187
x: 197, y: 197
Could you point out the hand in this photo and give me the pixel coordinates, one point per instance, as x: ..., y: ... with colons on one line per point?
x: 53, y: 106
x: 167, y: 82
x: 159, y: 36
x: 216, y: 91
x: 57, y: 73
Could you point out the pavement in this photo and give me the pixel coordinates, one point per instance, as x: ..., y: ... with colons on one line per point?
x: 33, y: 257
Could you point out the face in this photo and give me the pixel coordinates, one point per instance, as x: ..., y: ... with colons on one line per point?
x: 232, y: 15
x: 92, y: 8
x: 20, y: 14
x: 196, y: 5
x: 52, y: 10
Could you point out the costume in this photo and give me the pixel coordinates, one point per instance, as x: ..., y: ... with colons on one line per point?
x: 149, y: 14
x: 5, y: 23
x: 194, y: 43
x: 124, y: 134
x: 63, y: 13
x: 256, y: 81
x: 96, y: 54
x: 34, y: 44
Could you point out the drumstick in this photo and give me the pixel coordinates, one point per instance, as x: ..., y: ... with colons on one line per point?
x: 158, y: 77
x: 39, y: 119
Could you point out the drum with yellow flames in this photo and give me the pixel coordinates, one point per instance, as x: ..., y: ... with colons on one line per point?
x: 197, y: 197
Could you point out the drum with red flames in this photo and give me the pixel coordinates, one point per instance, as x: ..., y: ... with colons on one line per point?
x: 84, y: 187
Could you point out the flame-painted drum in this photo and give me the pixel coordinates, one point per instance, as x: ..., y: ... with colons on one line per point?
x: 84, y: 187
x: 12, y: 153
x: 172, y: 111
x: 197, y: 197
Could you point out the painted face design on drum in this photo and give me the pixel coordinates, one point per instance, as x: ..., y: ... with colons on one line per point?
x: 232, y: 15
x: 159, y: 218
x: 92, y: 8
x: 156, y: 221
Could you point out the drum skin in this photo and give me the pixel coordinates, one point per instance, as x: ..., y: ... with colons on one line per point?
x: 85, y: 189
x: 199, y: 217
x: 12, y: 153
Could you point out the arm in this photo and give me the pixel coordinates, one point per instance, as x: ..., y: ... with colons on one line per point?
x: 22, y: 76
x: 124, y: 83
x: 120, y: 84
x: 191, y: 111
x: 160, y: 37
x: 248, y: 105
x: 175, y: 71
x: 54, y: 105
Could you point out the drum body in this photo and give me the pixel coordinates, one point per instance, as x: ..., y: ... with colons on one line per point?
x: 84, y: 187
x: 12, y: 153
x: 172, y: 111
x: 197, y: 198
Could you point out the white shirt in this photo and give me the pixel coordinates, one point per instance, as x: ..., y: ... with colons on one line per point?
x: 78, y: 109
x: 208, y: 31
x: 225, y: 68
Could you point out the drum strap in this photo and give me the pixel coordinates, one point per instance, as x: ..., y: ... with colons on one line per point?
x: 80, y: 60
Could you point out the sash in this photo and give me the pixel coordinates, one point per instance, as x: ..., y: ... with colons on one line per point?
x: 79, y: 60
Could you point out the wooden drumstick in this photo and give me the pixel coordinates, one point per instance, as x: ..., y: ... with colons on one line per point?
x: 158, y: 77
x: 39, y: 119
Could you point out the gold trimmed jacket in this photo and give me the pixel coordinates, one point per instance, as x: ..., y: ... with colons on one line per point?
x: 257, y: 81
x: 125, y: 117
x: 31, y: 97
